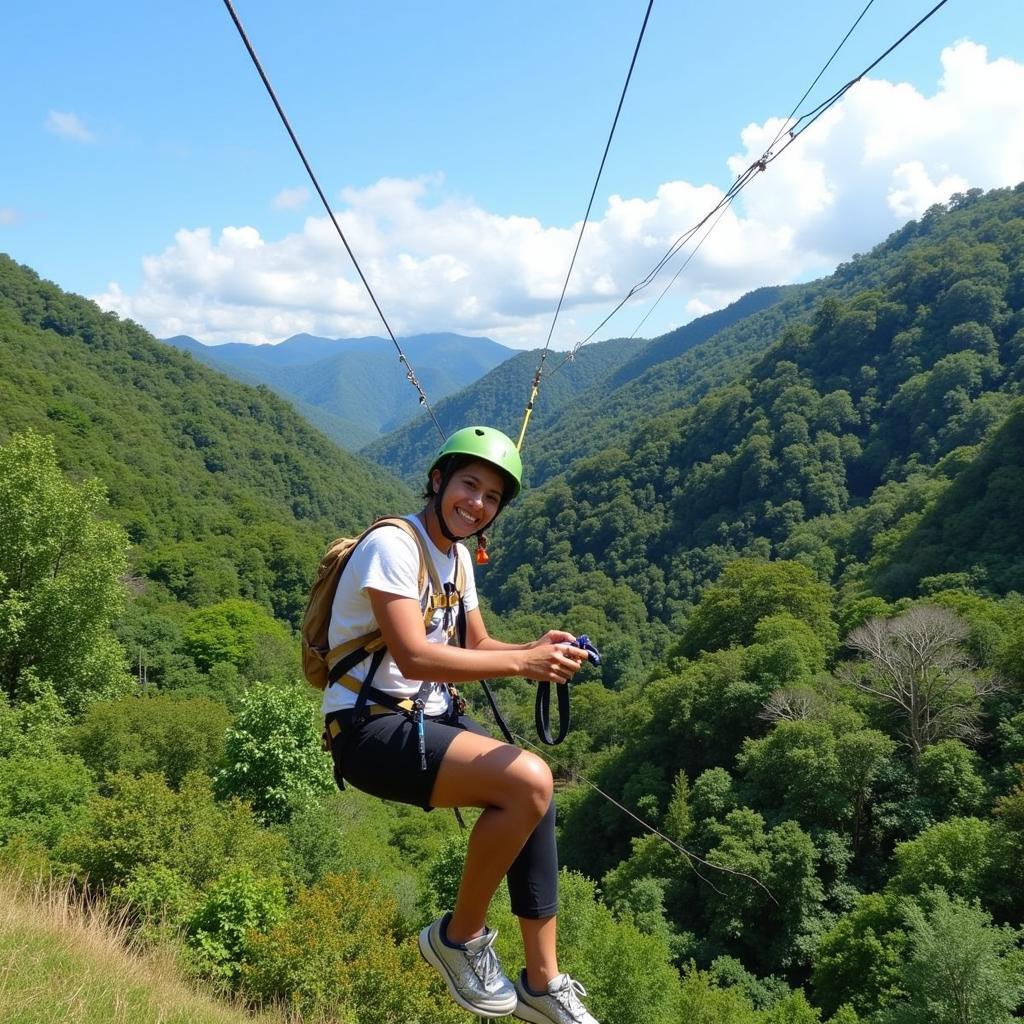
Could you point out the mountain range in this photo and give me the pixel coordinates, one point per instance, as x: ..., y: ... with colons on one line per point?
x: 354, y: 389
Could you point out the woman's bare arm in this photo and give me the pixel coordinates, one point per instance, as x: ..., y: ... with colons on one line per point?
x: 401, y: 624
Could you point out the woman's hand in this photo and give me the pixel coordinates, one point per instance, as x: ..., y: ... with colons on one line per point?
x: 554, y: 636
x: 552, y: 662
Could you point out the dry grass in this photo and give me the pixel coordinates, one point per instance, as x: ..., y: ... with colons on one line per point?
x: 63, y: 961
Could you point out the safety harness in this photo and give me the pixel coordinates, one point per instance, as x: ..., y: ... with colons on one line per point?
x: 371, y: 701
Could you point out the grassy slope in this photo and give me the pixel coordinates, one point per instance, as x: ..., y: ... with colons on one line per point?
x: 62, y: 963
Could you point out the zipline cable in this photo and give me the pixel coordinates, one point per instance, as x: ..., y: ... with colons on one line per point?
x: 683, y: 266
x: 402, y: 358
x: 688, y: 854
x: 839, y: 93
x: 782, y: 131
x: 758, y: 166
x: 535, y: 386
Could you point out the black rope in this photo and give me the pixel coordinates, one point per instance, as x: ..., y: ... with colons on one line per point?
x: 409, y: 373
x: 586, y: 216
x: 758, y: 166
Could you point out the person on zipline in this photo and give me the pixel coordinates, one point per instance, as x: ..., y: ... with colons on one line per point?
x: 441, y: 757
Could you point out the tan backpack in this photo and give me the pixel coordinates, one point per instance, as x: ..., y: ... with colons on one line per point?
x: 321, y: 664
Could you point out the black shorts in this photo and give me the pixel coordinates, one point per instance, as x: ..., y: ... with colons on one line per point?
x: 381, y: 755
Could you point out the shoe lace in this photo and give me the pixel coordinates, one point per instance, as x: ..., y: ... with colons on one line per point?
x: 567, y: 995
x: 484, y: 962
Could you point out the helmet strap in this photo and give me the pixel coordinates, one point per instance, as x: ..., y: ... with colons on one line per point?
x: 442, y: 525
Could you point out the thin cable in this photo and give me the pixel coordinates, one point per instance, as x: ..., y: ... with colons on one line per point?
x: 744, y: 178
x: 839, y: 93
x: 688, y: 854
x: 683, y: 266
x: 409, y: 372
x: 782, y: 131
x: 586, y: 216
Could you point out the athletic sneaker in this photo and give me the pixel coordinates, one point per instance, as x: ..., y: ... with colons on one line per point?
x: 559, y: 1005
x: 471, y: 972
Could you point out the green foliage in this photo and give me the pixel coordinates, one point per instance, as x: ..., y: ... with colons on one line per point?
x: 33, y: 726
x: 42, y: 796
x: 802, y: 770
x: 242, y: 634
x: 272, y: 754
x: 959, y: 967
x: 443, y: 876
x: 626, y: 973
x: 60, y: 565
x: 156, y: 899
x: 748, y: 592
x: 859, y: 960
x: 220, y: 928
x: 160, y: 734
x: 338, y: 952
x: 955, y: 855
x: 143, y: 822
x: 770, y: 901
x: 950, y: 781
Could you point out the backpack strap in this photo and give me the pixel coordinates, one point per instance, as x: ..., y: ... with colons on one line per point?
x: 433, y: 595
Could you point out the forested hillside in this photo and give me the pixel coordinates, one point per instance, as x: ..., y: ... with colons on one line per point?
x: 499, y: 399
x: 828, y: 451
x: 224, y: 491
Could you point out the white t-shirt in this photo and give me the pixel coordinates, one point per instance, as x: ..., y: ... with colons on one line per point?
x: 389, y: 560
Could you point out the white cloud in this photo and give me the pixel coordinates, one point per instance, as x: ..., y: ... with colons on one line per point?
x: 290, y: 198
x: 68, y: 126
x: 438, y: 261
x: 8, y: 215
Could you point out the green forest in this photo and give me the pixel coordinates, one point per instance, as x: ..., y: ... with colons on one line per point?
x: 793, y: 793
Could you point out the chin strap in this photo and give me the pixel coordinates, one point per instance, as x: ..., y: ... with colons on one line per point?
x: 440, y: 518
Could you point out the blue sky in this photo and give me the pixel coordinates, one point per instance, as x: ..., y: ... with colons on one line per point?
x: 146, y: 168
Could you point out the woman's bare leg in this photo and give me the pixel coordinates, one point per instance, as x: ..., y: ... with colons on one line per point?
x: 539, y: 936
x: 514, y: 788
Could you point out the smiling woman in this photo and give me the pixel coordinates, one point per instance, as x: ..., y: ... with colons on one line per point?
x: 398, y: 728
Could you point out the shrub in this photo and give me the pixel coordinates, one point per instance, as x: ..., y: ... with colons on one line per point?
x: 338, y: 953
x: 169, y: 736
x: 272, y: 752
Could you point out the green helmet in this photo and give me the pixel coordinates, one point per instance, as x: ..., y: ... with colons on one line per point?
x: 488, y: 445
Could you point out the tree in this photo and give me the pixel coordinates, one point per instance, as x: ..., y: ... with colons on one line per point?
x: 60, y: 569
x: 143, y: 822
x: 859, y: 960
x: 273, y: 751
x: 961, y: 969
x: 916, y: 664
x: 42, y: 796
x: 339, y: 954
x: 162, y: 734
x: 949, y: 780
x: 749, y: 591
x: 961, y: 855
x: 242, y: 634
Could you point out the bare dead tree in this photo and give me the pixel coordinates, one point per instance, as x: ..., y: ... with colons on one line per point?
x: 916, y: 663
x: 791, y: 704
